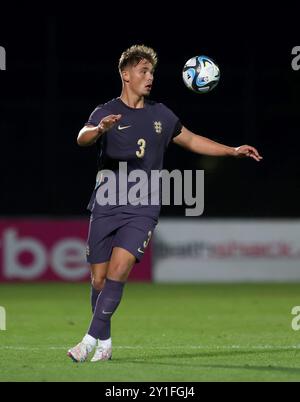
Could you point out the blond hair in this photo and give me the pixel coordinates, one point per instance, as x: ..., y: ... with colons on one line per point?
x: 133, y: 55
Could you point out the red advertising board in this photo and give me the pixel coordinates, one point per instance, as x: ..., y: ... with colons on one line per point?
x: 51, y: 250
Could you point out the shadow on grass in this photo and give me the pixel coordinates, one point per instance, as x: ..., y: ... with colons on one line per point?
x: 155, y: 360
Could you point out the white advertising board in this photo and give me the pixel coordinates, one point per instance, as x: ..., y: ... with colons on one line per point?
x: 226, y: 250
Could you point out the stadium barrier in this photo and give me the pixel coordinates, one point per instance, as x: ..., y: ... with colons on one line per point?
x: 183, y: 251
x: 51, y: 250
x: 226, y: 250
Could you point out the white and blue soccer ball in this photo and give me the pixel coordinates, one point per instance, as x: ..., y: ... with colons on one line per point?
x: 200, y: 74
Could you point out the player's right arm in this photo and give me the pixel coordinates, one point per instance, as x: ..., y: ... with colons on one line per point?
x: 89, y: 134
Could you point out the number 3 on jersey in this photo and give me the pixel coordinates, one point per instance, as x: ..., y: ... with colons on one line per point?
x: 142, y: 143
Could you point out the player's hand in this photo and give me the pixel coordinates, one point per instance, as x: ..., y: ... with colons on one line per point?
x: 246, y: 151
x: 108, y: 122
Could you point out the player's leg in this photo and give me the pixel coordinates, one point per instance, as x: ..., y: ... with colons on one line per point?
x: 129, y: 244
x: 80, y: 352
x: 98, y: 276
x: 99, y: 249
x: 119, y: 267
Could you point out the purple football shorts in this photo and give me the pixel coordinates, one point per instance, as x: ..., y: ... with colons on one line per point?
x: 131, y: 232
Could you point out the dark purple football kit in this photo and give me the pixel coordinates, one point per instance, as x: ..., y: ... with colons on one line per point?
x: 140, y: 138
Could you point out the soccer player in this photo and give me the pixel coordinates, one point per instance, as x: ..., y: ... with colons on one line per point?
x: 130, y: 129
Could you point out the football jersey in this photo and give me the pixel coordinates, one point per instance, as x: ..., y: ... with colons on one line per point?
x: 140, y: 138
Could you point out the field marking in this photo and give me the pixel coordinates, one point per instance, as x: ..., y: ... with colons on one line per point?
x: 203, y: 347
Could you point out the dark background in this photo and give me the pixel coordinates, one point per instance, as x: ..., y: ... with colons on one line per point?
x: 59, y: 68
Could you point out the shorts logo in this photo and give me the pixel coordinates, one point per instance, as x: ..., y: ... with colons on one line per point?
x: 158, y: 127
x: 149, y: 238
x: 87, y: 251
x: 145, y: 244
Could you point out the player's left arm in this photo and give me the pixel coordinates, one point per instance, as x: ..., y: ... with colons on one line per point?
x: 202, y: 145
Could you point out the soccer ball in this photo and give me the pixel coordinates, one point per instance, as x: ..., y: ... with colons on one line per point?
x: 200, y: 74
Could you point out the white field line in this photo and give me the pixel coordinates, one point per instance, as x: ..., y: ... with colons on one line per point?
x: 146, y: 347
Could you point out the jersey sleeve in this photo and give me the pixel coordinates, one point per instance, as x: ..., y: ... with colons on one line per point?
x: 97, y: 115
x: 174, y: 124
x: 177, y: 129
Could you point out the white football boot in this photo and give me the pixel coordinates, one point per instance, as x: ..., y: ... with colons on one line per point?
x: 102, y: 353
x: 80, y: 352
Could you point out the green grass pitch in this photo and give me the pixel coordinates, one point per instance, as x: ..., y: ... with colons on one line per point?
x: 161, y: 332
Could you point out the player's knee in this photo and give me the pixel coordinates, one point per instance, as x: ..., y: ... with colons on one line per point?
x: 119, y: 270
x: 98, y: 283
